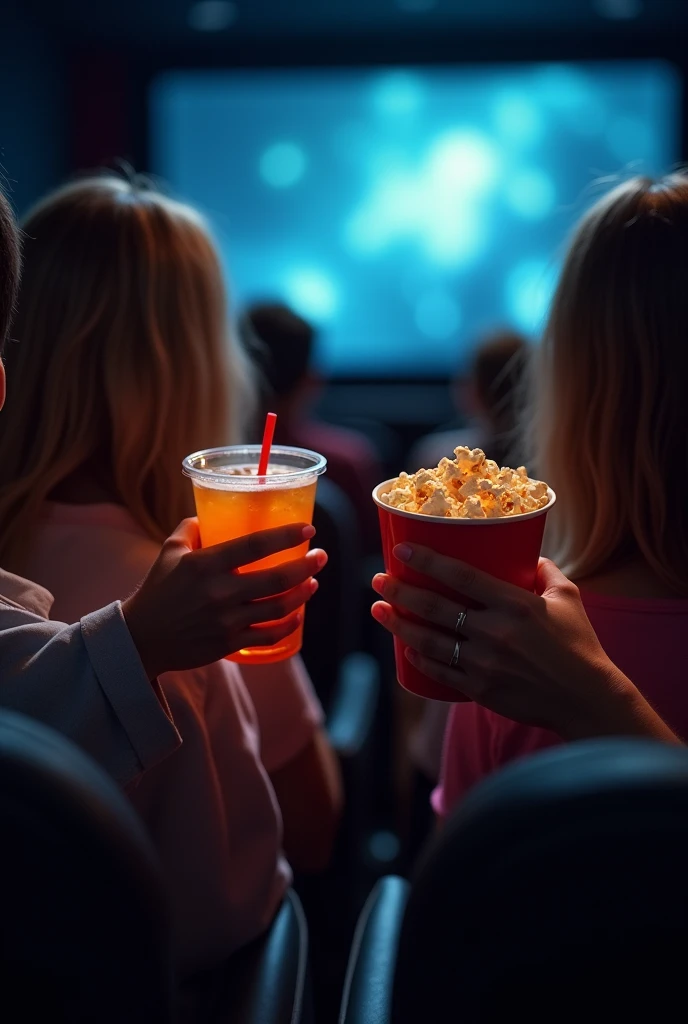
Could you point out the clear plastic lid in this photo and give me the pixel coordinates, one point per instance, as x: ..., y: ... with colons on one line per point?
x: 220, y: 468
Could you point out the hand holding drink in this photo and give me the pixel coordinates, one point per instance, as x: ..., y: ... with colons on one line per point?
x: 234, y: 499
x: 194, y: 608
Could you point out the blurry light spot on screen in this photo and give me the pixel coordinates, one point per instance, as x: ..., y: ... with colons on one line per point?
x: 517, y: 118
x: 393, y: 210
x: 575, y: 99
x: 282, y: 164
x: 397, y: 93
x: 529, y: 290
x: 456, y: 239
x: 212, y: 15
x: 530, y: 194
x: 437, y: 315
x: 312, y: 293
x: 461, y: 169
x: 437, y: 207
x: 462, y: 160
x: 629, y: 139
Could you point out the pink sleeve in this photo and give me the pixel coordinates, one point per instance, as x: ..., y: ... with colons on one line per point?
x: 287, y: 707
x: 476, y: 743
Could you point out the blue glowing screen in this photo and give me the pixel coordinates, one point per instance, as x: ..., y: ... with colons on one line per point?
x: 405, y: 211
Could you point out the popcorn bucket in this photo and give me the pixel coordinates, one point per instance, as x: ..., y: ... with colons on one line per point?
x: 507, y: 547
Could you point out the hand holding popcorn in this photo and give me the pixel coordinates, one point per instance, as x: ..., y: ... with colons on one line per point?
x: 469, y: 509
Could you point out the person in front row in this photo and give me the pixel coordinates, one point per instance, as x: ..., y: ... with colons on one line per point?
x: 610, y: 435
x: 489, y: 396
x: 123, y: 364
x: 284, y: 344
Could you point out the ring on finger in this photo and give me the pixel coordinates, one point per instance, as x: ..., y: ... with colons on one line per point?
x: 460, y: 621
x: 454, y: 661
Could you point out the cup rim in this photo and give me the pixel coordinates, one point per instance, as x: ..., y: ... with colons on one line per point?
x: 444, y: 520
x: 211, y: 478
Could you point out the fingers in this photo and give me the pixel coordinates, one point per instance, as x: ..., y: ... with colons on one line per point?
x: 430, y: 642
x: 463, y: 578
x: 274, y: 608
x: 186, y: 535
x: 235, y: 554
x: 458, y: 681
x: 431, y: 652
x: 251, y: 586
x: 268, y: 636
x: 550, y: 578
x: 425, y: 604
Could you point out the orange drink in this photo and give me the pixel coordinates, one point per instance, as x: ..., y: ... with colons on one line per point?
x: 232, y: 501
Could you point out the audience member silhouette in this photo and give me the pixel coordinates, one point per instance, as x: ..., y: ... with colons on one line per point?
x: 284, y: 344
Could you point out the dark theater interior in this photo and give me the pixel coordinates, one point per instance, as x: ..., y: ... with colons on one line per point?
x: 343, y: 511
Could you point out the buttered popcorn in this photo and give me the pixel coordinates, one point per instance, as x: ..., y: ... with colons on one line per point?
x: 469, y: 486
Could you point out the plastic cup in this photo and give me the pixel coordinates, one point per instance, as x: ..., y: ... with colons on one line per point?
x: 508, y: 548
x: 232, y: 501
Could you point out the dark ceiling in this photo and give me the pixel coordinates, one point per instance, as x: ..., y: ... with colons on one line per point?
x: 170, y: 21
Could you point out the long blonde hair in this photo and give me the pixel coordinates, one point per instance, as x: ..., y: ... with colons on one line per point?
x: 123, y: 355
x: 609, y: 417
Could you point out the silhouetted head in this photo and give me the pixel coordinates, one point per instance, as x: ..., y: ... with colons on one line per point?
x: 496, y: 374
x: 282, y: 343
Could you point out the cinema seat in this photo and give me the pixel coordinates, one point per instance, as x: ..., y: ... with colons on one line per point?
x: 84, y: 922
x: 557, y: 892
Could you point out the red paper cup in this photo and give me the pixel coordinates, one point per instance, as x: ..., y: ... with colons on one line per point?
x: 508, y: 548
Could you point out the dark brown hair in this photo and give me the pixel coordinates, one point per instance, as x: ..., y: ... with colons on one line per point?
x: 284, y: 345
x: 497, y: 369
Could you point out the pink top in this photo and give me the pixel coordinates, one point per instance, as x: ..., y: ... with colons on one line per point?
x: 645, y: 638
x: 209, y: 806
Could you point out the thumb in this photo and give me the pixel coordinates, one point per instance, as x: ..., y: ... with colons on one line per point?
x: 187, y: 535
x: 549, y: 577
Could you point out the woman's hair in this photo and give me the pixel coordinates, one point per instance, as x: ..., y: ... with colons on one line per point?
x: 123, y: 360
x: 608, y: 423
x: 9, y: 267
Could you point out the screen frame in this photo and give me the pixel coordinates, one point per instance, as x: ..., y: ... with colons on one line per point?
x: 451, y: 49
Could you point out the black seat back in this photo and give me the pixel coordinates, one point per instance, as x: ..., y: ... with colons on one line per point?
x: 557, y: 892
x: 83, y: 919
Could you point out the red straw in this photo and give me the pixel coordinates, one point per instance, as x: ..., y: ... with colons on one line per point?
x: 268, y: 434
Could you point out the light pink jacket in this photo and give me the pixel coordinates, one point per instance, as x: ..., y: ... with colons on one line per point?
x: 208, y: 803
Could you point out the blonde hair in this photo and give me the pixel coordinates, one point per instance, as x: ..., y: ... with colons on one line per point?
x: 609, y: 417
x: 124, y: 355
